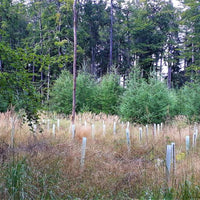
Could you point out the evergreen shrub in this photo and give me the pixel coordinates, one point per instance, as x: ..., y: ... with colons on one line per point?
x: 61, y: 94
x: 147, y: 102
x: 108, y: 95
x: 90, y: 95
x: 189, y: 101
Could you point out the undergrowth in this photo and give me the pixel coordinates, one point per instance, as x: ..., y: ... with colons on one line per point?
x: 41, y: 166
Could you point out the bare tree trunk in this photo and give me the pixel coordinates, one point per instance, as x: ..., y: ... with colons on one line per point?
x: 33, y: 77
x: 41, y: 35
x: 161, y: 63
x: 129, y: 41
x: 169, y: 79
x: 48, y: 82
x: 1, y: 67
x: 111, y: 35
x: 59, y: 26
x: 74, y: 62
x: 93, y: 71
x: 41, y: 90
x: 41, y: 52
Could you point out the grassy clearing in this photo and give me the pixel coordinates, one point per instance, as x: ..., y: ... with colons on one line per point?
x: 41, y: 166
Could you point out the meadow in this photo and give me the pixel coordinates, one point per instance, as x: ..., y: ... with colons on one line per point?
x: 46, y: 163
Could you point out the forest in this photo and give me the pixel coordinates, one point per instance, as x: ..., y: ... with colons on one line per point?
x: 124, y: 48
x: 134, y: 68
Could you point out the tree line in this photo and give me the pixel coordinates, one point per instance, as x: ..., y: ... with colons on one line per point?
x: 36, y: 43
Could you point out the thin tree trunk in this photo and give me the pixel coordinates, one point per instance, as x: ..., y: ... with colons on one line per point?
x: 33, y: 77
x: 161, y: 62
x: 59, y: 26
x: 41, y: 52
x: 41, y: 35
x: 169, y: 79
x: 1, y: 68
x: 93, y: 62
x: 48, y: 82
x: 192, y: 53
x: 129, y: 41
x: 111, y: 35
x: 74, y: 62
x: 41, y: 90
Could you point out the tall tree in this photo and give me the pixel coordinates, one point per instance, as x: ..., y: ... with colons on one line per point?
x: 15, y: 81
x: 94, y: 21
x: 74, y: 62
x: 191, y: 28
x: 111, y: 35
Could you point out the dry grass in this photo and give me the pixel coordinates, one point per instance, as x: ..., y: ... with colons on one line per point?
x: 110, y: 170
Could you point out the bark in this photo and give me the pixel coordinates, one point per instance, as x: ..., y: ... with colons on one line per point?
x: 93, y: 71
x: 129, y: 41
x: 33, y: 78
x: 41, y: 90
x: 59, y: 26
x: 48, y: 82
x: 111, y: 35
x: 74, y: 62
x: 41, y: 52
x: 169, y: 78
x: 161, y: 63
x: 41, y: 35
x: 1, y: 67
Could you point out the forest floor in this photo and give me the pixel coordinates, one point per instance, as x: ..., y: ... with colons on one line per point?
x: 47, y: 164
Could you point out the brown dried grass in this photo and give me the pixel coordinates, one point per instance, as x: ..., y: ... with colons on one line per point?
x: 109, y: 166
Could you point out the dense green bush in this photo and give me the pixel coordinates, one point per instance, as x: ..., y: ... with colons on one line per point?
x: 189, y: 101
x: 85, y: 93
x: 61, y: 94
x: 90, y: 96
x: 145, y: 102
x: 107, y: 95
x: 16, y: 87
x: 4, y: 105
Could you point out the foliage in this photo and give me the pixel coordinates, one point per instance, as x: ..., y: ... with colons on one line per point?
x: 61, y: 94
x: 17, y: 180
x: 20, y: 180
x: 90, y: 96
x: 85, y: 92
x: 148, y: 34
x: 16, y: 87
x: 144, y: 102
x: 107, y: 95
x: 189, y: 101
x: 190, y: 22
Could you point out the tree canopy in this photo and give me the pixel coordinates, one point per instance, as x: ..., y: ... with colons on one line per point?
x: 36, y: 44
